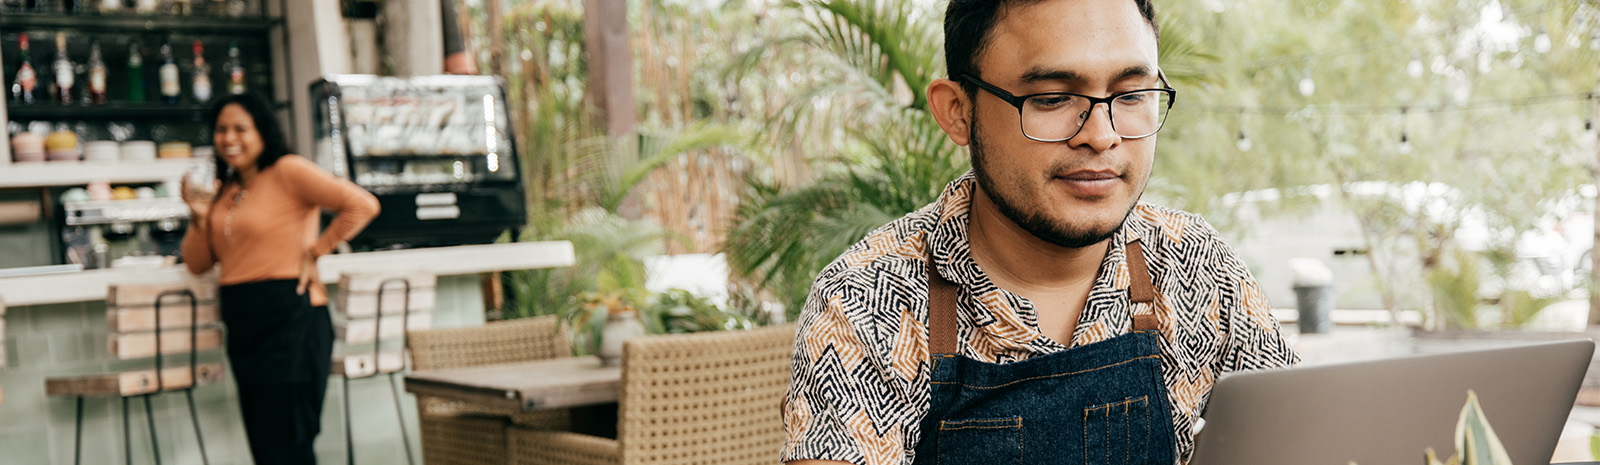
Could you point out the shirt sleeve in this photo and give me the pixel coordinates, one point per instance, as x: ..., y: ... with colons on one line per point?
x: 1255, y: 340
x: 355, y: 206
x: 842, y: 404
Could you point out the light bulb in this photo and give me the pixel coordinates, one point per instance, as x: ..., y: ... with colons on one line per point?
x: 1415, y: 68
x: 1405, y: 143
x: 1541, y: 42
x: 1307, y: 86
x: 1588, y: 125
x: 1594, y: 40
x: 1244, y: 142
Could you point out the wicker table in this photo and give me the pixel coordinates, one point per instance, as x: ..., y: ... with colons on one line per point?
x: 529, y: 386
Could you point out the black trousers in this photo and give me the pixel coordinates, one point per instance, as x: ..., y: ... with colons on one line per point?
x: 280, y: 348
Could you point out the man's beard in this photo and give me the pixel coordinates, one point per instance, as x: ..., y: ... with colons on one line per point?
x: 1059, y: 233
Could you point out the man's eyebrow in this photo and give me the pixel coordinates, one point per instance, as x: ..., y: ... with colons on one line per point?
x: 1038, y: 73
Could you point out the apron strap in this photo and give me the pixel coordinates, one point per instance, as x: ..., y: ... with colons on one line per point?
x: 1140, y: 288
x: 942, y: 311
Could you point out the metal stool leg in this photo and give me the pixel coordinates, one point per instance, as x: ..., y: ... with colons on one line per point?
x: 77, y: 439
x: 198, y: 438
x: 400, y: 412
x: 150, y: 417
x: 127, y: 435
x: 349, y: 441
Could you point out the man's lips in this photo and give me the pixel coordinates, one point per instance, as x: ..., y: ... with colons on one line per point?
x: 1087, y: 175
x: 1089, y: 183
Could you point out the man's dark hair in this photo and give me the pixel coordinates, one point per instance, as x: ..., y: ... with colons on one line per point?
x: 967, y: 24
x: 273, y: 143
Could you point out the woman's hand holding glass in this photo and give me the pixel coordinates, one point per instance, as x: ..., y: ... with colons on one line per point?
x: 199, y: 196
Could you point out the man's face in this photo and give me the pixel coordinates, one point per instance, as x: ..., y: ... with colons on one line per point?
x: 1078, y: 192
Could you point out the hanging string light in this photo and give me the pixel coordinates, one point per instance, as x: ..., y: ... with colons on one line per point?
x: 1541, y: 42
x: 1594, y: 40
x: 1415, y: 68
x: 1244, y: 141
x: 1405, y: 139
x: 1588, y: 120
x: 1307, y: 86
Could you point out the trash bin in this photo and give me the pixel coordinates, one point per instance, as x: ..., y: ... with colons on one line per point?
x: 1314, y: 303
x: 1313, y: 283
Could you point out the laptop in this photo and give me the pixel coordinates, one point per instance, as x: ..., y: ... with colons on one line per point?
x: 1388, y: 411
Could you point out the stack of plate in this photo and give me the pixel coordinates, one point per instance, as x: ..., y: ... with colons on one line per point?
x: 101, y: 151
x: 175, y: 150
x: 138, y: 150
x: 27, y: 147
x: 62, y: 146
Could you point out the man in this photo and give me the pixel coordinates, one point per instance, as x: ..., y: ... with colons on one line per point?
x: 1063, y: 321
x: 457, y: 60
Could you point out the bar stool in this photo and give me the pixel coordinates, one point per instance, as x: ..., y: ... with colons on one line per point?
x: 128, y: 341
x: 350, y: 367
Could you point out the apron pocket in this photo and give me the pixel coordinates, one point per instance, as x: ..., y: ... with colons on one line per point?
x: 980, y: 441
x: 1118, y: 432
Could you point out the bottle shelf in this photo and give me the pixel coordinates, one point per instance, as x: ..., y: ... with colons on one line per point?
x: 113, y: 111
x: 138, y: 23
x: 48, y: 111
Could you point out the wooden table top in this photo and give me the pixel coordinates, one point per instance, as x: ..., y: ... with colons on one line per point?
x: 540, y: 384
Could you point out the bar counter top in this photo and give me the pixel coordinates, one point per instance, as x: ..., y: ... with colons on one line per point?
x: 91, y: 285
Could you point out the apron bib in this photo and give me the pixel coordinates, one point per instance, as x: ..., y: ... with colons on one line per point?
x: 1099, y: 404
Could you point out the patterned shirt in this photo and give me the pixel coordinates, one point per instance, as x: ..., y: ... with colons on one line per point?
x: 860, y: 382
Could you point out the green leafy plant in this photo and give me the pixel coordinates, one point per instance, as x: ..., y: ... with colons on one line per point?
x: 1476, y: 443
x: 679, y: 311
x: 1455, y: 291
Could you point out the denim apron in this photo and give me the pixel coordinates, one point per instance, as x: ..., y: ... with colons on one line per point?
x: 1102, y: 403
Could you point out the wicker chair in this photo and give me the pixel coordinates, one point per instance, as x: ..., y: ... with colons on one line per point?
x: 706, y: 398
x: 465, y: 433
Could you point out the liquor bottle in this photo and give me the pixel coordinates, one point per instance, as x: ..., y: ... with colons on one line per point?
x: 26, y: 79
x: 66, y: 77
x: 235, y: 68
x: 170, y: 89
x: 202, y: 74
x: 97, y: 76
x: 135, y: 74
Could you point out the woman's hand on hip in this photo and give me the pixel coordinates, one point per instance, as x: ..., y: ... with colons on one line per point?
x: 308, y: 272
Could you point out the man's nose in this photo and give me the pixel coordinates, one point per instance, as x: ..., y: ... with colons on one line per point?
x: 1097, y: 133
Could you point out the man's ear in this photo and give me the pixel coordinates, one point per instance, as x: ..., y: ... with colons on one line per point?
x: 952, y: 109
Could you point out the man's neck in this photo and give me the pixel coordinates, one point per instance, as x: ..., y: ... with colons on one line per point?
x: 1013, y: 256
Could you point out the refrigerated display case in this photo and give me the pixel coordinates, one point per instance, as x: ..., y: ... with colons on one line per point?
x: 437, y: 151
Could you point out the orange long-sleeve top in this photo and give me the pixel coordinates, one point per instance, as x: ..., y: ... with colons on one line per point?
x: 264, y: 233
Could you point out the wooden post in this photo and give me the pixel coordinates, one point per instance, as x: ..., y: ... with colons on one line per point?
x: 1594, y: 256
x: 605, y: 24
x: 495, y: 27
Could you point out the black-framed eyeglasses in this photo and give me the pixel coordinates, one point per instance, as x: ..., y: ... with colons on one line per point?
x: 1059, y: 116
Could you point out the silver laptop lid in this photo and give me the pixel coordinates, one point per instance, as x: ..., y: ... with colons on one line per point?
x: 1388, y: 411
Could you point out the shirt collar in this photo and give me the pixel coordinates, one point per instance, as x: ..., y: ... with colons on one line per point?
x: 951, y: 245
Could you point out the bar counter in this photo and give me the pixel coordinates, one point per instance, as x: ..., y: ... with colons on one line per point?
x: 55, y: 325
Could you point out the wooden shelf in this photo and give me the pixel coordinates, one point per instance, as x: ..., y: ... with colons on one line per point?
x: 138, y: 23
x: 22, y: 175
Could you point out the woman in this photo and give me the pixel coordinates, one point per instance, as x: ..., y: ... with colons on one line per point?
x: 261, y: 226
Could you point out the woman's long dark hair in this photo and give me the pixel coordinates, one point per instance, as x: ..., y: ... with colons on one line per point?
x: 273, y: 143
